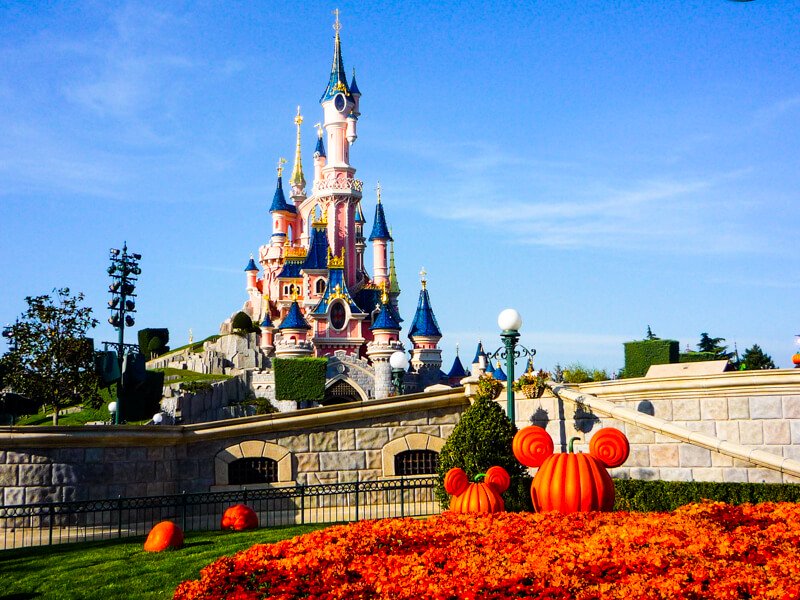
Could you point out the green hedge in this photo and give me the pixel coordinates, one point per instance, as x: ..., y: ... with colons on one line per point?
x: 300, y: 379
x: 640, y: 355
x: 153, y: 340
x: 686, y: 357
x: 664, y: 496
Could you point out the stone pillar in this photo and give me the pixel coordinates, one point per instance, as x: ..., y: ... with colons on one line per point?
x: 379, y: 354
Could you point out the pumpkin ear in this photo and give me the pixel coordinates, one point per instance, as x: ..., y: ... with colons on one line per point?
x: 455, y: 481
x: 498, y: 478
x: 610, y: 447
x: 532, y: 445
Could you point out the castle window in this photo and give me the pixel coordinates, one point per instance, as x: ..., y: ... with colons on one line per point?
x: 416, y: 462
x: 338, y: 315
x: 320, y: 286
x: 253, y: 470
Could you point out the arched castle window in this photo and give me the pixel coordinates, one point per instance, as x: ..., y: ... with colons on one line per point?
x: 414, y: 451
x: 252, y: 463
x: 246, y: 471
x: 416, y: 462
x: 320, y: 286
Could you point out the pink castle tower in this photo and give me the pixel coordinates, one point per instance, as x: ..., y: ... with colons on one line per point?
x: 426, y: 357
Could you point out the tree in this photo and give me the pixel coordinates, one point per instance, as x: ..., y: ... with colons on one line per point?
x: 51, y: 360
x: 650, y: 335
x: 482, y: 439
x: 754, y: 358
x: 713, y: 345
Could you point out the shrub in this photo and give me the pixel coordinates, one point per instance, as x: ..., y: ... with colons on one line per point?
x: 482, y: 439
x: 300, y: 379
x: 147, y: 341
x: 242, y: 323
x: 662, y: 496
x: 577, y: 373
x: 640, y: 355
x: 687, y: 357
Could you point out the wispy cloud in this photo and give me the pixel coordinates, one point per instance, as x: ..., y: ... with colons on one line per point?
x: 769, y: 114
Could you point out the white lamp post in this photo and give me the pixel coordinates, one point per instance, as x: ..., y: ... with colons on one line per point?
x: 158, y: 418
x: 112, y: 409
x: 510, y: 322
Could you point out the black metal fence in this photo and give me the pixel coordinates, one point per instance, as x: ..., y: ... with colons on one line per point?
x: 64, y: 522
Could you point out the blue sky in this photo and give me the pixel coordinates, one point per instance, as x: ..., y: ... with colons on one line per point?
x: 600, y: 166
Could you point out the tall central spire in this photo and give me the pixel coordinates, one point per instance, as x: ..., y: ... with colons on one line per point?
x: 298, y: 179
x: 338, y: 80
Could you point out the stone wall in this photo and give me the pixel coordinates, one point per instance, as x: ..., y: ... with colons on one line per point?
x: 222, y: 400
x: 759, y: 410
x: 355, y: 442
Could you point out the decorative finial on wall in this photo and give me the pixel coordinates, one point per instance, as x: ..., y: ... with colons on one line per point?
x: 378, y: 191
x: 423, y: 278
x: 281, y: 162
x: 337, y: 25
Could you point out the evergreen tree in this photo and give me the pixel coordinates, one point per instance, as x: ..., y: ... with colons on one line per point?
x: 754, y: 358
x: 650, y: 335
x: 713, y: 345
x: 482, y: 439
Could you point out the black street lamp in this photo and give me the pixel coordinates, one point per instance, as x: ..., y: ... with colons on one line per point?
x: 510, y: 322
x: 124, y: 271
x: 8, y: 333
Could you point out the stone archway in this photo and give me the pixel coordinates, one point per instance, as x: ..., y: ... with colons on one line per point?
x: 341, y: 390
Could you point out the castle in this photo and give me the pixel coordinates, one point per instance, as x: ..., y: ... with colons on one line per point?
x: 310, y: 291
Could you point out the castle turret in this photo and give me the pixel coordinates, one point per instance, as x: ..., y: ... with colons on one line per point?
x: 320, y: 158
x: 361, y: 245
x: 266, y: 341
x: 379, y: 237
x: 426, y: 357
x: 457, y: 371
x: 283, y: 214
x: 386, y: 332
x: 252, y: 274
x: 352, y: 118
x: 294, y: 331
x: 481, y: 362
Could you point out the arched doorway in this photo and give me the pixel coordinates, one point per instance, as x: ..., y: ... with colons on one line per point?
x: 339, y: 393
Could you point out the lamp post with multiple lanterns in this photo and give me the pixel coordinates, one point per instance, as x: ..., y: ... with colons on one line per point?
x: 510, y: 322
x: 124, y: 272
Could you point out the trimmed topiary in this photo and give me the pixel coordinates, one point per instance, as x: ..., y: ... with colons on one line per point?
x: 482, y: 439
x: 242, y: 323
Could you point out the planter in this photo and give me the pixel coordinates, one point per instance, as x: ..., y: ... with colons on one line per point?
x: 532, y: 391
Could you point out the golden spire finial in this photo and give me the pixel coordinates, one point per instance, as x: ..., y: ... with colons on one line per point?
x: 319, y: 129
x: 384, y: 294
x: 422, y: 278
x: 295, y: 295
x: 297, y: 172
x: 456, y: 349
x: 378, y: 191
x: 337, y: 25
x: 281, y: 162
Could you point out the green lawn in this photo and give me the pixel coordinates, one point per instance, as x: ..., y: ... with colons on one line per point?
x: 182, y: 375
x: 121, y: 569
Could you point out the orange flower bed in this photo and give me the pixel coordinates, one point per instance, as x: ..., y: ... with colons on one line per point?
x: 709, y: 550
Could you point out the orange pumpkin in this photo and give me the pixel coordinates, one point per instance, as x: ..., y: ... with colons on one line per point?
x: 478, y: 497
x: 239, y: 517
x: 570, y: 482
x: 796, y: 359
x: 163, y: 535
x: 532, y: 445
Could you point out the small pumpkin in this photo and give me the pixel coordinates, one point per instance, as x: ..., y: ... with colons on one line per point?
x: 796, y: 359
x: 163, y: 535
x: 239, y: 517
x: 478, y: 497
x: 570, y: 482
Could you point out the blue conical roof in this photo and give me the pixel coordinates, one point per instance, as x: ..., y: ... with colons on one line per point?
x: 279, y: 200
x: 424, y: 323
x: 385, y: 319
x: 320, y: 149
x: 379, y: 229
x: 457, y: 370
x: 294, y: 319
x: 478, y: 353
x: 267, y: 322
x: 338, y: 81
x: 360, y: 214
x: 251, y: 266
x: 499, y: 374
x: 318, y: 250
x: 354, y: 86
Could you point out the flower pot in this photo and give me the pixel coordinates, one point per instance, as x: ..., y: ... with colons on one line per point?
x: 532, y: 391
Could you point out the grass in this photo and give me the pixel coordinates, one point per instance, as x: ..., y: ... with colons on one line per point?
x: 184, y: 376
x: 121, y: 569
x: 196, y: 347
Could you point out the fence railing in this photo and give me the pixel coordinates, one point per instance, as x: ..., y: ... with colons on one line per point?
x: 65, y: 522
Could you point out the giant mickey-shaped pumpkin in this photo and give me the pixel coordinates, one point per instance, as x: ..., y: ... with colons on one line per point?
x: 482, y: 497
x: 570, y: 482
